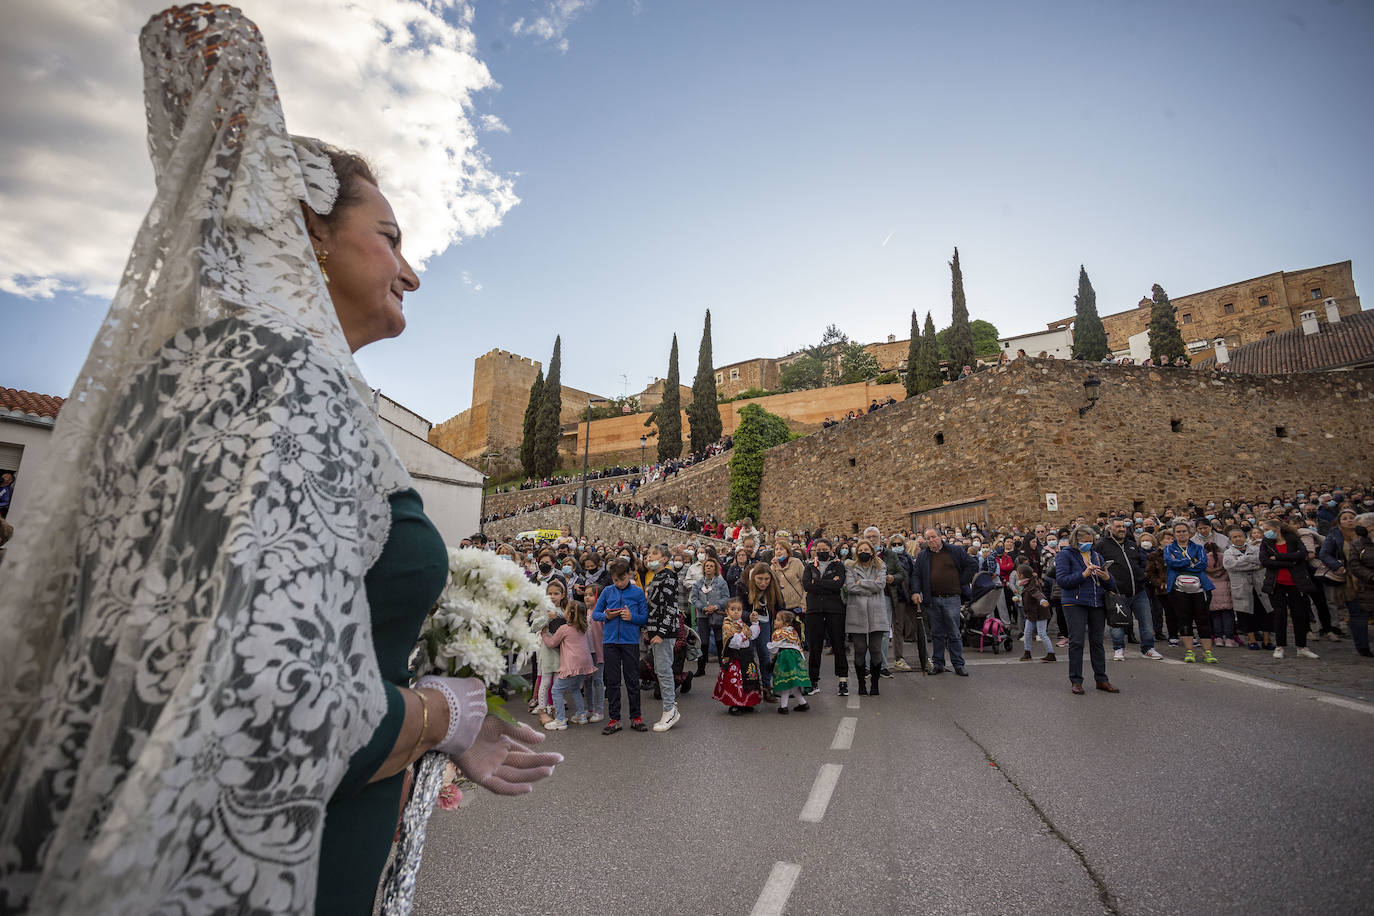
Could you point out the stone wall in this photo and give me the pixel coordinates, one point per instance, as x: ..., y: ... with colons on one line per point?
x: 518, y: 499
x: 704, y: 487
x: 1011, y: 434
x: 752, y: 373
x: 599, y: 525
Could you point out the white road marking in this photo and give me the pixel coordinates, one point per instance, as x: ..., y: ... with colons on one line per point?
x: 1348, y: 704
x: 773, y: 899
x: 844, y: 734
x: 853, y: 702
x: 821, y: 791
x: 1245, y: 679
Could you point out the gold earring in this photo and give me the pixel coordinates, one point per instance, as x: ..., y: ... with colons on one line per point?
x: 323, y: 256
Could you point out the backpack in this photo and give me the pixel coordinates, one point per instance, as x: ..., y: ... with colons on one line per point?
x: 993, y: 629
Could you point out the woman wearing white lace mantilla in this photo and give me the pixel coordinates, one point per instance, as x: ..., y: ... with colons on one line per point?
x: 203, y: 700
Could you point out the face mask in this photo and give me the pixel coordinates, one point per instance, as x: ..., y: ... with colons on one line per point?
x: 1051, y: 543
x: 865, y: 556
x: 567, y: 570
x: 546, y: 568
x: 1331, y: 503
x: 654, y: 564
x: 690, y: 554
x: 677, y: 564
x: 1271, y: 535
x: 1085, y: 547
x: 625, y: 558
x: 1211, y: 518
x: 977, y: 545
x: 823, y: 556
x: 844, y: 551
x: 1146, y: 545
x: 899, y: 548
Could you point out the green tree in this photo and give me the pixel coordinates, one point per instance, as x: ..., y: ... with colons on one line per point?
x: 805, y: 372
x: 669, y: 412
x: 548, y: 428
x: 703, y: 414
x: 758, y: 431
x: 927, y: 370
x: 985, y: 340
x: 1166, y: 340
x: 1089, y: 337
x: 857, y: 364
x: 831, y: 348
x: 960, y: 343
x: 913, y: 356
x: 531, y: 420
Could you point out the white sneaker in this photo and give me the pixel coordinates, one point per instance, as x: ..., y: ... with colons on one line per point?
x: 1278, y: 653
x: 557, y: 725
x: 579, y: 719
x: 900, y: 665
x: 594, y: 718
x: 1304, y: 652
x: 1151, y: 653
x: 670, y: 718
x: 1119, y: 655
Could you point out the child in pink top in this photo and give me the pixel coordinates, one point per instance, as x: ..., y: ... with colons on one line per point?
x: 595, y: 690
x: 574, y: 664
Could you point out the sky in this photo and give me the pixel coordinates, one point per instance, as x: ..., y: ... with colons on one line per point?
x: 619, y: 166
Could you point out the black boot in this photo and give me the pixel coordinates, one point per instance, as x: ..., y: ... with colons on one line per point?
x: 873, y: 688
x: 863, y: 680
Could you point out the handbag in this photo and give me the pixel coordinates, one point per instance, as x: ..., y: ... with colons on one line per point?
x: 1118, y: 611
x: 1187, y: 583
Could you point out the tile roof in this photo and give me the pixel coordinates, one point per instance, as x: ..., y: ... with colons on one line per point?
x: 1344, y: 345
x: 27, y: 402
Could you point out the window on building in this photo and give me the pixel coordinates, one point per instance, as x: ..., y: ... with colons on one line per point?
x: 1175, y: 426
x: 1316, y: 292
x: 939, y: 438
x: 1263, y: 301
x: 1281, y: 432
x: 734, y: 375
x: 1270, y: 333
x: 720, y: 377
x: 1229, y: 308
x: 1187, y: 317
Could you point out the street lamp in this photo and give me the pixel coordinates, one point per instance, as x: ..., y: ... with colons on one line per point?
x: 643, y: 441
x: 586, y: 453
x: 1092, y: 386
x: 482, y: 512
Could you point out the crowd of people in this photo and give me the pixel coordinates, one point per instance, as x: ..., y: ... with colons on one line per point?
x: 770, y: 607
x: 873, y: 406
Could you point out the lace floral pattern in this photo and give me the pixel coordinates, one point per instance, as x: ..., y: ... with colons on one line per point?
x: 188, y: 663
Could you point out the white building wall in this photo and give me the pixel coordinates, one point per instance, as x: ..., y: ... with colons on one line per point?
x: 1057, y: 344
x: 33, y: 440
x: 451, y: 489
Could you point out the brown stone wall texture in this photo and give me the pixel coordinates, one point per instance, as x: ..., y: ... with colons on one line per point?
x: 519, y: 499
x: 1013, y: 433
x: 753, y: 373
x: 599, y: 525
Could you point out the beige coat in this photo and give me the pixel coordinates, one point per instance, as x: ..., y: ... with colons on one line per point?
x: 789, y: 579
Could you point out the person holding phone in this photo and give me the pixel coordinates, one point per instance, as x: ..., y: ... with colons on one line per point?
x: 624, y: 609
x: 1084, y: 581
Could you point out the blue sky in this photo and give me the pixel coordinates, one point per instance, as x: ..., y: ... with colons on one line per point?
x: 753, y: 158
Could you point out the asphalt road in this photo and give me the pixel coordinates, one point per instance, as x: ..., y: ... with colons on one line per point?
x: 1192, y: 791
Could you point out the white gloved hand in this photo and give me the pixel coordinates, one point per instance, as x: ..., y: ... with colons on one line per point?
x: 501, y: 761
x: 467, y: 707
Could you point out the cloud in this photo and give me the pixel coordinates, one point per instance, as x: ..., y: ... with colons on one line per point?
x: 394, y: 79
x: 552, y: 23
x: 494, y: 124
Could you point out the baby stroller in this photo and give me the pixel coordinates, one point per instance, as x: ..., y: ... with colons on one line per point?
x: 686, y: 648
x: 979, y: 623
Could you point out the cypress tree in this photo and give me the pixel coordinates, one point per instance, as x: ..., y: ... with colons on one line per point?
x: 703, y: 414
x: 670, y: 412
x: 548, y: 429
x: 1166, y: 340
x: 913, y: 357
x: 1089, y: 337
x: 960, y: 334
x: 531, y: 420
x: 928, y: 363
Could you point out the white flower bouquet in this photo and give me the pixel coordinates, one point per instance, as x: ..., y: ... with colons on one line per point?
x: 479, y: 627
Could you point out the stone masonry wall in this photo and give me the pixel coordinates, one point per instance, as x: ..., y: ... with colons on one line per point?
x: 517, y: 499
x: 599, y: 525
x: 1013, y: 433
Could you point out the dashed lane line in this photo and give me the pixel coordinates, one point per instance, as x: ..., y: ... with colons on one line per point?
x: 1231, y: 675
x: 853, y: 702
x: 844, y: 734
x: 821, y: 790
x: 773, y: 899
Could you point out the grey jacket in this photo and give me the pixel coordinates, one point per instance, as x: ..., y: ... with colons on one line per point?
x: 1243, y: 566
x: 865, y: 609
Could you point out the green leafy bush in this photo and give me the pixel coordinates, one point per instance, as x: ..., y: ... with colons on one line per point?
x: 758, y: 431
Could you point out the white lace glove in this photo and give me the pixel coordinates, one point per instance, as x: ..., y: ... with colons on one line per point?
x: 492, y: 753
x: 467, y: 707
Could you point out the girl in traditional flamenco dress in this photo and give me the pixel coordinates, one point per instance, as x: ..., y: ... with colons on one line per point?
x: 790, y: 679
x: 738, y: 684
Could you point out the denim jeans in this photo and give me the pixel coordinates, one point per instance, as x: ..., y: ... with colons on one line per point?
x: 663, y: 670
x: 1085, y: 625
x: 1144, y: 620
x: 1359, y: 623
x: 594, y: 689
x: 944, y: 625
x: 563, y: 686
x: 1040, y: 628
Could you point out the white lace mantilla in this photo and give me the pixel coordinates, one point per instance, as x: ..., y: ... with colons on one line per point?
x: 187, y: 664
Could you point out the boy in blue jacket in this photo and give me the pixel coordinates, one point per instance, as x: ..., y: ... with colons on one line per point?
x: 623, y: 608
